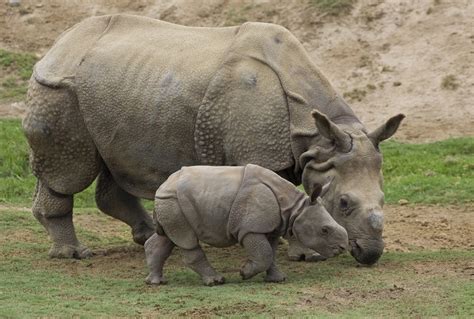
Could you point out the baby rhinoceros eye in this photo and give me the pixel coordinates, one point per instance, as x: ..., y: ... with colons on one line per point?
x: 325, y: 230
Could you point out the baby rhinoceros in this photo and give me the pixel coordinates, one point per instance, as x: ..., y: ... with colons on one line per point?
x: 222, y: 206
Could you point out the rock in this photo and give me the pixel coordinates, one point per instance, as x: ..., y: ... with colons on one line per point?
x: 403, y: 201
x: 425, y: 223
x: 397, y: 83
x: 14, y: 3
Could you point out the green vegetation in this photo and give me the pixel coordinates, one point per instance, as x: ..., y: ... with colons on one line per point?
x: 414, y: 284
x: 434, y: 173
x: 334, y: 7
x: 111, y: 283
x: 449, y: 82
x: 15, y: 70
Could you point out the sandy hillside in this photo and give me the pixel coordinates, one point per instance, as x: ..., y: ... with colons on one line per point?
x: 385, y: 57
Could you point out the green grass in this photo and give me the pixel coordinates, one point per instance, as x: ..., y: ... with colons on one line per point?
x: 15, y: 70
x: 434, y: 173
x: 415, y: 284
x: 334, y: 7
x: 111, y: 284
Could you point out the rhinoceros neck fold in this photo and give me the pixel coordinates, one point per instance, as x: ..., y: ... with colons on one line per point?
x: 288, y: 216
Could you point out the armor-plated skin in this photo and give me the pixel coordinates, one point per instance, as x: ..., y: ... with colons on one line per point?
x: 132, y: 99
x: 222, y: 206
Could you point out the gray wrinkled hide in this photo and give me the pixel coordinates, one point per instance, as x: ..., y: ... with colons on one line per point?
x: 220, y: 205
x: 132, y: 99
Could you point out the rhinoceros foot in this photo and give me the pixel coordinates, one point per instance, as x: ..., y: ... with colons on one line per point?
x: 70, y: 251
x: 155, y: 279
x: 213, y: 280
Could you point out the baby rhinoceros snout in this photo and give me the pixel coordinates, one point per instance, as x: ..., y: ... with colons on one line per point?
x: 339, y: 239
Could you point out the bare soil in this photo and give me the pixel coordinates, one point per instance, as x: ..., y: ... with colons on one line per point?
x: 385, y: 57
x: 407, y: 227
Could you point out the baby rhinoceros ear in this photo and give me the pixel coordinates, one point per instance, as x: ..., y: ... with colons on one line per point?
x: 315, y: 193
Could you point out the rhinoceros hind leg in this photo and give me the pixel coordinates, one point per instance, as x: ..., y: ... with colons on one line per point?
x: 117, y: 203
x: 54, y: 212
x: 197, y: 261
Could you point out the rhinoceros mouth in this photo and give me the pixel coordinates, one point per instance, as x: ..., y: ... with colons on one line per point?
x: 366, y: 252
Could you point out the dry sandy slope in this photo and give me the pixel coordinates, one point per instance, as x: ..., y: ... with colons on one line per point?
x: 394, y: 53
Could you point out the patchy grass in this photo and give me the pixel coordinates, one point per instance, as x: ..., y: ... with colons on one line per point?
x: 334, y: 7
x: 355, y: 95
x: 440, y: 172
x: 15, y: 70
x: 434, y: 173
x: 449, y: 82
x: 111, y: 284
x: 416, y: 284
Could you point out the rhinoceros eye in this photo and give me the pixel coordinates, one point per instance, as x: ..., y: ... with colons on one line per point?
x: 344, y: 205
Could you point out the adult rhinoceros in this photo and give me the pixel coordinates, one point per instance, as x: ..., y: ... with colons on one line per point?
x: 132, y: 100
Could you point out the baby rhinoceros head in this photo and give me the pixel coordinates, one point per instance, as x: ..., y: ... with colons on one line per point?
x: 316, y: 229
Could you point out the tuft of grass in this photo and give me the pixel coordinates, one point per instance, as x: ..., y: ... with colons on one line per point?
x: 334, y: 7
x: 15, y: 70
x: 435, y: 173
x: 449, y: 82
x: 355, y: 95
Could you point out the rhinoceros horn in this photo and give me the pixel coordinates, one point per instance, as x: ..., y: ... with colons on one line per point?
x: 332, y: 132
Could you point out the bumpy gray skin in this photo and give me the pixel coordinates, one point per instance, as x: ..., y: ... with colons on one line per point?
x: 134, y: 99
x: 222, y: 206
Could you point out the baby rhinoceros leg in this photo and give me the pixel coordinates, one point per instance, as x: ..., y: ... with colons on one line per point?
x: 157, y: 250
x: 197, y: 261
x: 260, y: 255
x: 273, y: 273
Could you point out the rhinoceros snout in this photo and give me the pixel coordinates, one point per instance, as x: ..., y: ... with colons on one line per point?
x: 367, y: 251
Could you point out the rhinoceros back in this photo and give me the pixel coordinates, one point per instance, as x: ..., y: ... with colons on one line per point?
x: 139, y: 88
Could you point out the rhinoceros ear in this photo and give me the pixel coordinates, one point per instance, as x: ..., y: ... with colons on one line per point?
x: 315, y: 193
x: 386, y: 130
x: 331, y: 131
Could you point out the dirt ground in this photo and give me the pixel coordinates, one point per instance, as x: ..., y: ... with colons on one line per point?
x: 407, y: 227
x: 415, y: 57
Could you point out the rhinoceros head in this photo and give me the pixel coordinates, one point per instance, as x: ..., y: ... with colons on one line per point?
x: 351, y: 160
x: 316, y: 229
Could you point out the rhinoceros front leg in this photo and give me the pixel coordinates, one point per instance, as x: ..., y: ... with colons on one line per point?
x: 54, y: 212
x: 273, y: 273
x: 157, y: 250
x: 260, y: 254
x: 297, y: 252
x: 115, y: 202
x: 197, y: 261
